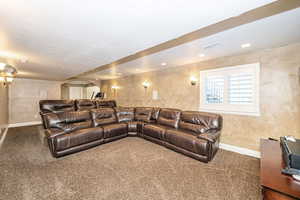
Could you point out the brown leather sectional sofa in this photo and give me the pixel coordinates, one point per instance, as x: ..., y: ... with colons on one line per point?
x: 72, y: 128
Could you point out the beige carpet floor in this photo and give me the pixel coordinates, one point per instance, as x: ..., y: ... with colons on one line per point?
x: 130, y: 168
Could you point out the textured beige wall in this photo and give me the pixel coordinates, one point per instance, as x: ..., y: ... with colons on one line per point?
x: 65, y: 92
x: 279, y: 94
x: 3, y: 106
x: 24, y: 97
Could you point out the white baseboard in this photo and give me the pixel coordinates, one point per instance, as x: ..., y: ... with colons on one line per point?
x: 240, y: 150
x: 24, y: 124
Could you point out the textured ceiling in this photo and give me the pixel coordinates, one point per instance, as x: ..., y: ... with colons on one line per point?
x: 63, y: 38
x: 270, y: 32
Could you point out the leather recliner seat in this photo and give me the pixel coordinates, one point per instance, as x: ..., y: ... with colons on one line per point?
x: 167, y: 119
x: 126, y: 115
x: 195, y: 134
x: 69, y: 132
x: 55, y: 106
x: 106, y: 119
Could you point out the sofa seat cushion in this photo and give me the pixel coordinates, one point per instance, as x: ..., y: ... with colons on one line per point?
x: 132, y: 126
x: 155, y: 130
x: 78, y: 137
x: 186, y: 141
x: 75, y: 126
x: 114, y: 130
x: 135, y: 126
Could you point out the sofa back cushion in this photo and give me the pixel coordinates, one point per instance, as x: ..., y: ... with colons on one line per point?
x: 106, y: 104
x: 199, y: 122
x: 124, y: 114
x: 143, y: 114
x: 112, y: 103
x: 68, y: 121
x: 85, y: 104
x: 103, y: 116
x: 155, y: 113
x: 169, y: 117
x: 56, y: 106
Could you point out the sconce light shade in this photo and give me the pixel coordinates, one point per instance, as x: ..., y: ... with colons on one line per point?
x: 146, y: 84
x: 193, y: 80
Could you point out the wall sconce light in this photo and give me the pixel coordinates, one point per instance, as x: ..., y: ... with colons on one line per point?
x: 193, y: 80
x: 146, y: 84
x: 7, y: 73
x: 115, y: 87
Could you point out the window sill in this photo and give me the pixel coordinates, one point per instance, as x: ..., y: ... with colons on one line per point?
x: 252, y: 114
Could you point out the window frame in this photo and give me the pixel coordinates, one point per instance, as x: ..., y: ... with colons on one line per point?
x: 227, y: 108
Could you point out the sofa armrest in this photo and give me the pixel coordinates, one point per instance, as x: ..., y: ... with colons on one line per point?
x: 54, y: 132
x: 211, y: 135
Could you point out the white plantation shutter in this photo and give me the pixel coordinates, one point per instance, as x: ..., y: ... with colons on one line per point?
x: 232, y: 90
x: 241, y: 89
x: 214, y: 89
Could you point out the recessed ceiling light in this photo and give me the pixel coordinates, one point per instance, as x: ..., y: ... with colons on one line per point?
x: 210, y: 46
x: 2, y: 66
x: 246, y: 45
x: 201, y: 55
x: 163, y: 64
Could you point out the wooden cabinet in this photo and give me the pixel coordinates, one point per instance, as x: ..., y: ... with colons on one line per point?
x: 275, y: 185
x: 273, y: 195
